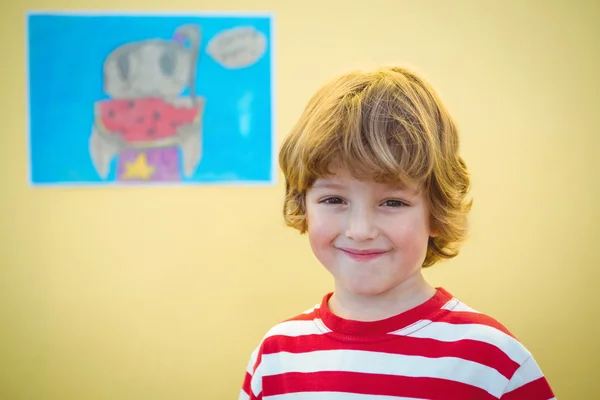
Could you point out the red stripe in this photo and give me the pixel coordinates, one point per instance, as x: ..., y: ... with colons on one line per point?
x: 476, y: 351
x: 371, y: 384
x: 258, y: 358
x: 246, y: 386
x: 534, y: 390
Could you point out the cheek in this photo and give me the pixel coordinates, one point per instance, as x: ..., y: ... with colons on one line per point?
x: 412, y: 233
x: 321, y: 230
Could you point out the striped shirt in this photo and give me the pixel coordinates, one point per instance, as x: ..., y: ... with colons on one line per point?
x: 441, y: 349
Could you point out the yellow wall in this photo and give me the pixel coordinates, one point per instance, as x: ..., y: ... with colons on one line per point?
x: 162, y: 293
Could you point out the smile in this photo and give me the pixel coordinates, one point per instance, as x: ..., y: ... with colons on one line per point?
x: 363, y: 255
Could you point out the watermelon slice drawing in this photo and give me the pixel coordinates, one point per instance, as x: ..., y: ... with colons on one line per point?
x: 144, y: 120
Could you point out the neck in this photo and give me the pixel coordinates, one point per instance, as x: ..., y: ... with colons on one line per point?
x: 411, y: 293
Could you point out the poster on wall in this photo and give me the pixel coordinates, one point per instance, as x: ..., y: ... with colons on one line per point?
x: 147, y: 99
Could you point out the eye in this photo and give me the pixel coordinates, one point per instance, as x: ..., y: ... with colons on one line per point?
x: 332, y: 200
x: 123, y: 66
x: 167, y: 61
x: 394, y: 203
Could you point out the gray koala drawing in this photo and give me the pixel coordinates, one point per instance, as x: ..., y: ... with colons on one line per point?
x: 151, y: 69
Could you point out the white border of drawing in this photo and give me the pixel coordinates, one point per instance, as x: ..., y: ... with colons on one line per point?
x: 274, y: 159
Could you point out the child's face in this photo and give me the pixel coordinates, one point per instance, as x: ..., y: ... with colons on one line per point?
x: 370, y: 236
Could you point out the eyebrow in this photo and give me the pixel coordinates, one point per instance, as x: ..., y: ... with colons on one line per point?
x: 327, y: 185
x: 404, y: 188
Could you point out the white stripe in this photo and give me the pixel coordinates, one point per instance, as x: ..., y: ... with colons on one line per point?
x: 256, y: 382
x: 297, y: 328
x: 462, y: 307
x: 450, y: 304
x: 334, y: 396
x: 243, y: 396
x: 253, y: 356
x: 447, y: 332
x: 528, y: 372
x: 312, y: 309
x: 450, y: 368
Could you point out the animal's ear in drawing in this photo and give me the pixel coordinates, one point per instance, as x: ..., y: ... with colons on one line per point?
x: 189, y: 33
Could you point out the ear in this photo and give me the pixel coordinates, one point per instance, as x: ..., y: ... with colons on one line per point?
x: 433, y: 232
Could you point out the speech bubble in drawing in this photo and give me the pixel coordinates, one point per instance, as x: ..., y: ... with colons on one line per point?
x: 237, y: 47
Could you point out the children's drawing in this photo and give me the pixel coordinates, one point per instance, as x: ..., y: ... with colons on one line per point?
x: 166, y: 108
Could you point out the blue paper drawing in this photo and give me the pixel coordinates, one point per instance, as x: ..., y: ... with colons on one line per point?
x: 134, y: 99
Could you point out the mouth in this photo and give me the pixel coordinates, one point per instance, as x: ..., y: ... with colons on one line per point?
x: 363, y: 255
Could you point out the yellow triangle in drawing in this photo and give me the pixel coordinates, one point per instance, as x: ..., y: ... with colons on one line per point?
x: 138, y: 168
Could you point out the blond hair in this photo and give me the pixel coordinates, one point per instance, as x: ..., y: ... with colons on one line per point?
x: 388, y: 125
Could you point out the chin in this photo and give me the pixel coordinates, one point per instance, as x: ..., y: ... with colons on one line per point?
x: 368, y: 288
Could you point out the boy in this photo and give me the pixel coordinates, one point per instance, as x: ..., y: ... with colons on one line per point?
x: 374, y: 177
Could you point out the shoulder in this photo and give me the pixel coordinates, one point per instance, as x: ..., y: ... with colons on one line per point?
x: 304, y: 324
x: 287, y: 335
x: 463, y: 325
x: 487, y: 345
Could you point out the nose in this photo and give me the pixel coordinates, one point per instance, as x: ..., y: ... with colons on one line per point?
x: 361, y: 225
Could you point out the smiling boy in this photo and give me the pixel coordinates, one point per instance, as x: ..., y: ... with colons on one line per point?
x: 374, y: 177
